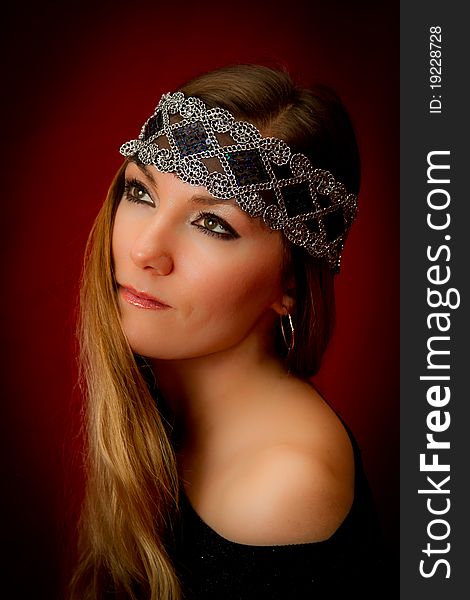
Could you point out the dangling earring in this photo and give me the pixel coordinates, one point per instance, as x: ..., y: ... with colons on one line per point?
x: 289, y: 343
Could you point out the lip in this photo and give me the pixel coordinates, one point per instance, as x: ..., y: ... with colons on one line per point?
x: 141, y: 299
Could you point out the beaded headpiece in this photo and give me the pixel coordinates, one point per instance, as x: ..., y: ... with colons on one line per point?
x: 231, y: 159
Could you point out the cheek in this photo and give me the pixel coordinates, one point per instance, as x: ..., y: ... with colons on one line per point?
x: 124, y: 230
x: 235, y: 290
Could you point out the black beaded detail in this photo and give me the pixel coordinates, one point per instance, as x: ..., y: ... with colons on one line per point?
x: 297, y: 199
x: 334, y: 225
x: 153, y: 125
x: 312, y: 225
x: 191, y: 138
x: 247, y: 167
x: 311, y: 208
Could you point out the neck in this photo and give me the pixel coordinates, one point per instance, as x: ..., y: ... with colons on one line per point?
x: 206, y: 394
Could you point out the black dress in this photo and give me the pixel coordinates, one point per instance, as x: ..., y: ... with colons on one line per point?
x: 350, y: 564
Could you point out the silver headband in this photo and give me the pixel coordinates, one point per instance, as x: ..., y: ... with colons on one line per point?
x: 208, y: 147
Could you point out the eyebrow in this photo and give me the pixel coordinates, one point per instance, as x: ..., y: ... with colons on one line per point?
x: 210, y: 200
x: 196, y: 198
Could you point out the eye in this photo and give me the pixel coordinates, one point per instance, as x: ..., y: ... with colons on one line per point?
x: 134, y: 191
x: 213, y: 225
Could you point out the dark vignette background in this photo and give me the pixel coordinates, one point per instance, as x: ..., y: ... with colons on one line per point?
x: 78, y: 79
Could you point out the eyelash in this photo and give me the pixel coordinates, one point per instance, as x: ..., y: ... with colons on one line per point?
x: 230, y: 235
x: 134, y: 183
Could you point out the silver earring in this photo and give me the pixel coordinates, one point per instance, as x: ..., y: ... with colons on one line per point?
x: 291, y: 341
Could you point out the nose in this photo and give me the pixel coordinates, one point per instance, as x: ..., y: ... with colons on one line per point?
x: 151, y: 250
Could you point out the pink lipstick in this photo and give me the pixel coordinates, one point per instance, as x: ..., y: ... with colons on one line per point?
x: 141, y: 299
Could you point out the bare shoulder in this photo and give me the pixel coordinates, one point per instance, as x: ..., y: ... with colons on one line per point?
x: 298, y: 485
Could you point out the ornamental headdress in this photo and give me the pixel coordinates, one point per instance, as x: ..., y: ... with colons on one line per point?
x: 208, y: 147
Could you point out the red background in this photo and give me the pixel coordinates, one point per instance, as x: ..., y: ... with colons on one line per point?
x: 79, y: 80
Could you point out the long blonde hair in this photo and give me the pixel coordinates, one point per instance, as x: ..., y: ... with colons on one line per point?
x: 132, y: 484
x: 131, y: 499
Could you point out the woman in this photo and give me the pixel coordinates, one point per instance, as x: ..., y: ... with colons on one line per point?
x: 214, y: 468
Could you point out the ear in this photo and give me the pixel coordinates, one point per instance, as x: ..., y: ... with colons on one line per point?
x: 286, y: 303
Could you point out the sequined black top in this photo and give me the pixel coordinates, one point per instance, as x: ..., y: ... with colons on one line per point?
x: 350, y: 564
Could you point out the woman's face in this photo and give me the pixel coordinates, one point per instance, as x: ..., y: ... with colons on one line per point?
x: 196, y: 275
